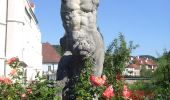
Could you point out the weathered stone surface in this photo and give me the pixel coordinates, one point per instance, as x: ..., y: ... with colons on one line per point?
x: 81, y: 39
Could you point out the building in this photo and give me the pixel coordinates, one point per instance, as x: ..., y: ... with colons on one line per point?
x: 136, y: 64
x: 50, y: 60
x: 20, y: 36
x: 132, y: 70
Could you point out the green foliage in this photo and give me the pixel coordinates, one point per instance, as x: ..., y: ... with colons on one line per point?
x: 145, y: 72
x: 162, y: 72
x: 159, y: 87
x: 13, y: 87
x: 116, y: 58
x: 58, y: 49
x: 83, y: 88
x: 43, y: 90
x: 141, y: 85
x: 162, y: 91
x: 161, y: 77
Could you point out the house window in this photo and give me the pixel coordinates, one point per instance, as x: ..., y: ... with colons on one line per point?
x: 49, y: 68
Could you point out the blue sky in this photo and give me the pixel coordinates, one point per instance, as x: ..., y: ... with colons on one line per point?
x: 145, y: 22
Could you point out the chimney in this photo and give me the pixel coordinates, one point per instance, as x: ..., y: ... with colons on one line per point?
x: 146, y: 58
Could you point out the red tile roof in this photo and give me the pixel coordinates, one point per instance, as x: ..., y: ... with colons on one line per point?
x: 134, y: 66
x: 49, y: 54
x: 150, y: 62
x: 136, y: 62
x: 144, y: 61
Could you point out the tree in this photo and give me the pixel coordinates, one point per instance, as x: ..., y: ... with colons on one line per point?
x: 145, y: 72
x: 162, y: 77
x: 58, y: 49
x: 163, y: 70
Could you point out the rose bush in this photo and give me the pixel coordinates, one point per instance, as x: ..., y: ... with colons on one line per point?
x: 117, y: 56
x: 12, y: 87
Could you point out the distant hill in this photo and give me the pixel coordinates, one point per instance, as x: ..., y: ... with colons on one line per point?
x: 147, y: 56
x: 58, y: 49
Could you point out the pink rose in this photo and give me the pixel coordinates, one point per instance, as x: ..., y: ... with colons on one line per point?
x: 108, y: 93
x: 13, y: 72
x: 97, y: 81
x: 11, y: 60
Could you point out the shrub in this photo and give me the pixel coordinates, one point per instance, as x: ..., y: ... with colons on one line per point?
x: 14, y: 87
x: 117, y: 56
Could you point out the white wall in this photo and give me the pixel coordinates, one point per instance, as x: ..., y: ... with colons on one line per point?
x: 134, y: 72
x: 23, y: 35
x: 2, y: 34
x: 45, y: 67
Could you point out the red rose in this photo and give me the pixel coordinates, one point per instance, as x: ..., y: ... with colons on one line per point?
x: 29, y: 90
x: 118, y: 77
x: 13, y: 72
x: 140, y: 94
x: 108, y: 93
x: 126, y: 92
x: 97, y: 81
x: 5, y: 80
x: 23, y: 96
x: 11, y: 60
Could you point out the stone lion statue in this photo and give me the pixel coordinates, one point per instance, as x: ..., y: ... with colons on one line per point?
x: 81, y: 37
